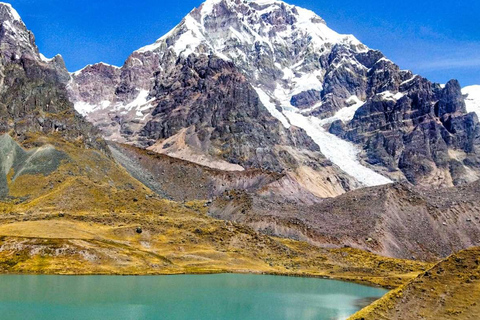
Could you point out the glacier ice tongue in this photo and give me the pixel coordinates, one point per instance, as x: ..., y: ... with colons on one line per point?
x: 265, y: 99
x: 342, y: 153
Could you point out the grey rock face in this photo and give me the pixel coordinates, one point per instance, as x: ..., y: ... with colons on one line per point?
x: 33, y: 95
x: 306, y: 99
x: 43, y: 160
x: 419, y: 133
x: 224, y: 113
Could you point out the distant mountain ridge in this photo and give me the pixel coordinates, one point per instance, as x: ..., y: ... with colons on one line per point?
x: 374, y: 122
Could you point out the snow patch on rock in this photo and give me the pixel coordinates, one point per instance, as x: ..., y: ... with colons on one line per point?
x: 345, y: 114
x: 85, y: 108
x: 45, y: 59
x: 271, y: 107
x: 472, y: 99
x: 78, y: 72
x: 387, y: 95
x: 139, y: 104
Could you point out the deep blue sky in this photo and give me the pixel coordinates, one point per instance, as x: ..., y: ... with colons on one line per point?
x: 439, y: 39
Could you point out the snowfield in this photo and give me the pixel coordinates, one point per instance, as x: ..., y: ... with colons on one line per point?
x: 342, y: 153
x: 346, y: 114
x: 139, y: 104
x: 266, y: 101
x: 472, y: 99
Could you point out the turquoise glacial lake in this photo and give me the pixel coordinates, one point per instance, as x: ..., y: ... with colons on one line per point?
x: 195, y: 297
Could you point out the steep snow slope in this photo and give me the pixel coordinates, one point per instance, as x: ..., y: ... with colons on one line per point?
x: 279, y: 47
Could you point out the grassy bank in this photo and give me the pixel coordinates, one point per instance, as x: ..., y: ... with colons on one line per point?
x: 177, y: 242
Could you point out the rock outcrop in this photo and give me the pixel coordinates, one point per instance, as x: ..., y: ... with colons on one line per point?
x: 425, y: 132
x: 33, y: 94
x: 208, y: 101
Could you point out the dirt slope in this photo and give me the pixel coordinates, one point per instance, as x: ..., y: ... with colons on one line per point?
x: 395, y: 220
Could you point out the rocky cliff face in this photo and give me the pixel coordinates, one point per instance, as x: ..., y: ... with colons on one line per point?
x: 322, y: 90
x: 33, y: 95
x: 425, y: 132
x: 205, y: 104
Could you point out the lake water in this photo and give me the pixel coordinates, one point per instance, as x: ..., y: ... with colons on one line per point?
x: 196, y: 297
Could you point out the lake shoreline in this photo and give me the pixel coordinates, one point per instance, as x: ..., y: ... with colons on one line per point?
x: 88, y: 244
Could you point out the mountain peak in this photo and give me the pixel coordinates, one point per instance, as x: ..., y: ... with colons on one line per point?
x: 7, y: 12
x: 325, y: 86
x: 17, y: 41
x: 218, y: 25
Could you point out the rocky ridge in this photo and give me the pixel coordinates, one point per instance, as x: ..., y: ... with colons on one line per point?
x: 397, y: 220
x: 33, y: 95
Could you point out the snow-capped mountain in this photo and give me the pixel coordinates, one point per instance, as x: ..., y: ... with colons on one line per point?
x: 373, y: 121
x: 277, y: 44
x: 279, y: 47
